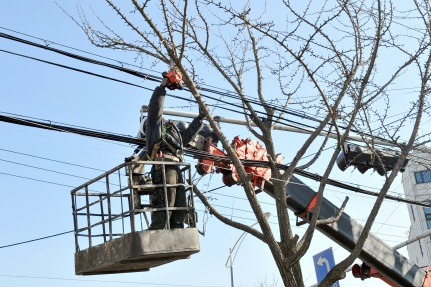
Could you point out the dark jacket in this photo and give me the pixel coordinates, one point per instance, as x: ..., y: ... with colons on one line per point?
x: 153, y: 132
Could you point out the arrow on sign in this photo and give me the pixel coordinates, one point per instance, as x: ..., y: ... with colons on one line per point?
x: 325, y: 261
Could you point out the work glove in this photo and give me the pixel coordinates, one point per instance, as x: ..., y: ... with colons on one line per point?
x: 201, y: 113
x: 164, y: 82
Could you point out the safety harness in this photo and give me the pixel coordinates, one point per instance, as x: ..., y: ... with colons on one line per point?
x: 177, y: 152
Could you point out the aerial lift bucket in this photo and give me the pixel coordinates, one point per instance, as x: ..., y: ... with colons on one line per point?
x: 110, y: 221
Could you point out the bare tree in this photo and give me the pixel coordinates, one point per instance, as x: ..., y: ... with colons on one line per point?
x: 344, y: 55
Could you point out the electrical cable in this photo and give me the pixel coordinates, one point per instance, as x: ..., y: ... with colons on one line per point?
x: 209, y: 191
x: 173, y: 96
x: 154, y: 78
x: 53, y: 160
x: 136, y: 73
x: 39, y: 180
x: 75, y: 69
x: 44, y: 169
x: 86, y: 52
x: 198, y: 154
x: 37, y: 239
x: 103, y: 281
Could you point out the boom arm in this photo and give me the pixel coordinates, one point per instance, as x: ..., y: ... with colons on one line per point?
x: 386, y: 263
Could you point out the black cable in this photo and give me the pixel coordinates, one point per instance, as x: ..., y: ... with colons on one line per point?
x: 151, y: 77
x: 75, y: 69
x: 62, y: 128
x: 30, y: 155
x: 247, y: 162
x: 103, y: 281
x: 44, y: 169
x: 142, y: 87
x: 39, y: 180
x: 37, y: 239
x: 206, y: 155
x: 137, y: 73
x: 51, y: 122
x: 108, y: 65
x: 155, y: 78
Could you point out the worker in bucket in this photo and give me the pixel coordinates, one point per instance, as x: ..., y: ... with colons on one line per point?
x: 165, y: 142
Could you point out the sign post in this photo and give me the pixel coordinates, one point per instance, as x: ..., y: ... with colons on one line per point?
x: 323, y: 263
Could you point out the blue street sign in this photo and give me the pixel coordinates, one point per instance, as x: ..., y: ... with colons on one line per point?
x: 323, y: 263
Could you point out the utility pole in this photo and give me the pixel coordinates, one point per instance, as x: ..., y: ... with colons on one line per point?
x: 229, y: 259
x: 231, y: 269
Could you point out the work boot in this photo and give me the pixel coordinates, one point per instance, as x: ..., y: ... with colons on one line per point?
x: 158, y: 220
x: 175, y: 225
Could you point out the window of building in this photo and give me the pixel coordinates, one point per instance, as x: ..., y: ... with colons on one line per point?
x: 427, y: 211
x: 423, y: 176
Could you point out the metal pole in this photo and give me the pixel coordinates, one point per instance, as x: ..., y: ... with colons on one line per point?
x: 231, y: 269
x: 411, y: 240
x: 229, y: 259
x: 285, y: 128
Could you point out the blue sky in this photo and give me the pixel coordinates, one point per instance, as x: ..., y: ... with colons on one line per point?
x: 35, y: 197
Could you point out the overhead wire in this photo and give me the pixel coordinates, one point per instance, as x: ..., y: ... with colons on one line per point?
x: 108, y: 281
x: 100, y: 56
x: 155, y: 78
x: 44, y: 169
x: 36, y: 239
x: 53, y: 160
x: 206, y: 155
x: 295, y: 123
x: 209, y: 191
x: 34, y: 179
x: 281, y: 120
x: 213, y: 98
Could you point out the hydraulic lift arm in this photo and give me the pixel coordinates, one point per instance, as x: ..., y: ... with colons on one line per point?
x: 387, y: 263
x: 376, y: 253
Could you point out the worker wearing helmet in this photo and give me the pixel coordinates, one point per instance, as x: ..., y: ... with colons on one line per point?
x: 165, y: 142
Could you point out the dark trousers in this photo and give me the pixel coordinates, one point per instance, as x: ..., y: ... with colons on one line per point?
x: 176, y: 197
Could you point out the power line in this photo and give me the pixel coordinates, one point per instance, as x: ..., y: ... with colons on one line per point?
x: 209, y: 191
x: 143, y: 75
x: 206, y: 155
x: 282, y: 120
x: 37, y: 239
x: 53, y: 160
x: 34, y: 179
x: 151, y: 78
x: 44, y: 169
x: 155, y: 78
x: 100, y: 56
x: 104, y: 281
x: 220, y: 194
x: 85, y: 132
x: 75, y: 69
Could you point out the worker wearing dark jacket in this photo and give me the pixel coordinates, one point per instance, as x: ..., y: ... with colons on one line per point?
x: 165, y: 142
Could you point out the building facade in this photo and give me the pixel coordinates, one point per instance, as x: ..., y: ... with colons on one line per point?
x: 417, y: 186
